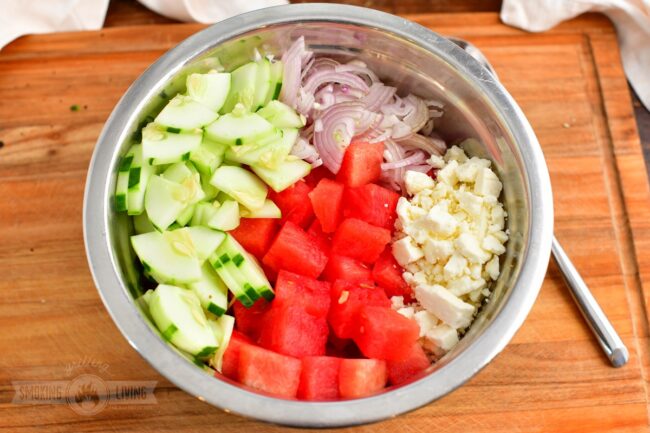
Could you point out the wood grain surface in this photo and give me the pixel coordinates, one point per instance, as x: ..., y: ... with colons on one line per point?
x: 551, y: 378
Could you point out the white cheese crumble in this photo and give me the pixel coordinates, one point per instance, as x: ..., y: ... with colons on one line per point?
x: 449, y: 236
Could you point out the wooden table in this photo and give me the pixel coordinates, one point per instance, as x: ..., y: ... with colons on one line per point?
x: 551, y: 378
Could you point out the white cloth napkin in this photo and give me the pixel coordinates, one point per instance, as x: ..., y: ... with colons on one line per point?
x: 630, y: 17
x: 22, y: 17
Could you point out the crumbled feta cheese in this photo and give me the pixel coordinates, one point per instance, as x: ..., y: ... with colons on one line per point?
x: 470, y: 203
x: 397, y: 302
x: 448, y: 174
x: 436, y: 249
x: 492, y: 268
x: 416, y: 181
x: 456, y: 266
x: 436, y: 161
x: 487, y: 183
x: 439, y: 220
x: 425, y: 320
x: 464, y: 285
x: 455, y: 153
x: 493, y: 245
x: 440, y: 339
x: 444, y: 305
x: 405, y: 251
x: 469, y: 247
x: 408, y: 312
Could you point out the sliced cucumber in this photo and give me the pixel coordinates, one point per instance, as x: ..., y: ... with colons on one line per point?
x: 159, y: 146
x: 166, y: 262
x: 242, y: 88
x: 203, y: 212
x: 183, y: 112
x: 285, y: 174
x: 277, y: 71
x: 239, y: 128
x: 162, y: 201
x: 268, y: 154
x: 205, y: 240
x: 226, y: 216
x: 247, y: 273
x: 219, y: 263
x: 208, y: 156
x: 121, y: 191
x: 281, y: 115
x: 240, y: 184
x: 186, y: 215
x: 222, y: 329
x: 143, y: 302
x: 209, y: 89
x: 269, y: 210
x: 262, y: 83
x: 139, y: 174
x: 177, y: 172
x: 211, y: 291
x: 142, y: 224
x: 178, y: 315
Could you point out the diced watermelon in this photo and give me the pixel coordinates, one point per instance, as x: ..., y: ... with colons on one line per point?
x: 249, y: 321
x: 372, y: 204
x: 388, y: 274
x: 322, y: 239
x: 326, y: 201
x: 361, y: 377
x: 383, y: 333
x: 415, y: 362
x: 291, y: 330
x: 296, y: 251
x: 347, y: 299
x: 316, y: 174
x: 295, y: 204
x: 256, y: 234
x: 361, y: 164
x: 230, y: 364
x: 358, y: 239
x: 319, y: 379
x: 268, y: 371
x: 346, y: 268
x: 298, y: 290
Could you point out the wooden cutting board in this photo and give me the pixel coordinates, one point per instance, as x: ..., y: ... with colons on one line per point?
x: 551, y: 378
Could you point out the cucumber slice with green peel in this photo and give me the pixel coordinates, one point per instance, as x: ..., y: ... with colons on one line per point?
x: 226, y: 216
x: 277, y: 71
x: 178, y: 315
x: 208, y: 156
x: 203, y: 212
x: 209, y: 190
x: 142, y: 224
x: 186, y: 215
x: 165, y: 200
x: 262, y: 83
x: 122, y: 184
x: 281, y: 115
x: 222, y: 329
x: 269, y: 210
x: 143, y: 302
x: 268, y: 155
x: 177, y: 172
x: 139, y: 175
x: 238, y: 128
x: 242, y: 87
x: 185, y: 113
x: 159, y: 146
x: 166, y: 262
x: 205, y: 240
x: 211, y: 291
x: 247, y: 273
x: 218, y: 264
x: 209, y: 89
x: 285, y: 174
x: 241, y: 185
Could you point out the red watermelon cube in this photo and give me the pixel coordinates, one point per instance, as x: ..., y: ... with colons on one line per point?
x: 291, y: 330
x: 347, y: 300
x: 268, y: 371
x: 346, y: 268
x: 296, y: 251
x: 326, y: 200
x: 256, y: 234
x: 319, y: 379
x: 316, y: 174
x: 295, y: 204
x: 230, y: 363
x: 322, y: 239
x: 361, y: 164
x: 358, y: 239
x: 371, y: 203
x: 415, y: 362
x: 383, y: 333
x: 388, y: 274
x: 361, y: 377
x: 249, y: 321
x: 298, y: 290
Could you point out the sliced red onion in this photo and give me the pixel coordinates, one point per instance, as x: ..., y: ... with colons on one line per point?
x: 318, y: 78
x: 341, y: 122
x: 422, y: 168
x: 292, y: 61
x: 399, y: 107
x: 427, y: 128
x: 418, y: 116
x: 303, y: 150
x: 431, y: 145
x: 417, y: 157
x: 378, y: 95
x: 358, y: 68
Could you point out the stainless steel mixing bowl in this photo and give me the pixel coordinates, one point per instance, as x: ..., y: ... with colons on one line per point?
x: 407, y: 55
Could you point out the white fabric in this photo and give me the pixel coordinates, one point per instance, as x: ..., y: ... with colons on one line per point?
x: 631, y: 18
x: 22, y: 17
